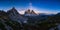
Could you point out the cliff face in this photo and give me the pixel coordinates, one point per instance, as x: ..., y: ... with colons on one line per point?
x: 11, y: 20
x: 27, y: 12
x: 15, y: 16
x: 30, y: 13
x: 6, y: 23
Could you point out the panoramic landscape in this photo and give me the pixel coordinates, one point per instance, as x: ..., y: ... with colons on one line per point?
x: 29, y: 15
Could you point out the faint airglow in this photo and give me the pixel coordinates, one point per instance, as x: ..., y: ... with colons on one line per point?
x: 36, y: 10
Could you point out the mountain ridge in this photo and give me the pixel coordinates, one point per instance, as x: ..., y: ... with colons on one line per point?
x: 12, y: 20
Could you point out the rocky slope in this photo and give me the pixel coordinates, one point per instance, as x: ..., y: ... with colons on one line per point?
x: 11, y: 20
x: 15, y: 16
x: 30, y: 13
x: 6, y: 23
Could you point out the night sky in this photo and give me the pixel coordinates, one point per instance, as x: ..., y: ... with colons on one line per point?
x: 52, y: 6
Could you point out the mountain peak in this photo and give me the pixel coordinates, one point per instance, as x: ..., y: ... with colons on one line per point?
x: 15, y: 16
x: 13, y: 11
x: 13, y: 8
x: 27, y: 12
x: 30, y: 13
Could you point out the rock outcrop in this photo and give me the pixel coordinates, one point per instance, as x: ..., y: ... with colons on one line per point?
x: 30, y: 13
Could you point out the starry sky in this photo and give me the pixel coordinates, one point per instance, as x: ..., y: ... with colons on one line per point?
x: 46, y: 6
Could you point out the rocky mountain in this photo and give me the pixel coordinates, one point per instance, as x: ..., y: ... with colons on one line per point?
x: 12, y: 20
x: 30, y: 13
x: 6, y: 23
x: 15, y: 16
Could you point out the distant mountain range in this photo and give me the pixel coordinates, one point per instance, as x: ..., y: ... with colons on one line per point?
x: 12, y: 20
x: 15, y: 16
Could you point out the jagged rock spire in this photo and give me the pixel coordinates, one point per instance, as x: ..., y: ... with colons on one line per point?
x: 13, y: 8
x: 32, y: 12
x: 27, y: 12
x: 13, y: 11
